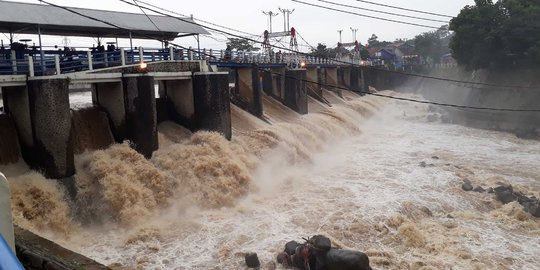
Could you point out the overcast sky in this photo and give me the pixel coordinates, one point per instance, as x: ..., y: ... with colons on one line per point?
x: 313, y: 24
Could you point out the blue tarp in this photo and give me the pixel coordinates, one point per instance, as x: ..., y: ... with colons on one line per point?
x: 8, y: 260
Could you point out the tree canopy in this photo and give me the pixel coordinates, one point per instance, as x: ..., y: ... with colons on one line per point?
x: 501, y: 34
x: 241, y: 45
x: 433, y: 44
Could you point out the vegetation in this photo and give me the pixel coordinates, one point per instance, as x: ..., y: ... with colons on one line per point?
x: 241, y: 45
x: 432, y: 45
x: 323, y: 51
x: 501, y: 34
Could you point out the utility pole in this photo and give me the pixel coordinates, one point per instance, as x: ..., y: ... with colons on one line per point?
x: 339, y: 31
x: 354, y: 33
x: 270, y: 14
x: 286, y: 19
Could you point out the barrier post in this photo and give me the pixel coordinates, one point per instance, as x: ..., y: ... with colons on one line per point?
x: 89, y: 57
x: 122, y: 56
x: 30, y: 66
x: 57, y: 64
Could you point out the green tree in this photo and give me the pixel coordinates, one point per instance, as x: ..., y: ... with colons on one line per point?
x: 501, y: 34
x: 323, y: 51
x: 241, y: 45
x: 373, y: 41
x: 433, y: 44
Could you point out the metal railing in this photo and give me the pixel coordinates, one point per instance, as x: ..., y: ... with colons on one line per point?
x: 55, y: 62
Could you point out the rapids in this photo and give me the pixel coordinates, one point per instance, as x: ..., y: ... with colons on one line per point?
x: 350, y: 172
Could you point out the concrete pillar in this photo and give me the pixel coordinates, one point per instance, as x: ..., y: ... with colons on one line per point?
x: 6, y: 222
x: 355, y: 80
x: 212, y: 102
x: 274, y: 82
x: 109, y: 97
x: 313, y: 74
x: 345, y: 77
x: 332, y: 79
x: 141, y: 114
x: 42, y: 115
x: 247, y: 94
x: 9, y: 143
x: 179, y: 101
x: 295, y: 90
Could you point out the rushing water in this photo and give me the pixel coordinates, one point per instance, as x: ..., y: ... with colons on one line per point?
x: 201, y: 202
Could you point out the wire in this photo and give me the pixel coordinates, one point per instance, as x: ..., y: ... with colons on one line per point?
x: 343, y: 62
x: 135, y: 1
x: 291, y: 50
x: 406, y: 9
x: 383, y: 12
x: 207, y: 22
x: 362, y: 15
x: 321, y: 84
x: 313, y: 48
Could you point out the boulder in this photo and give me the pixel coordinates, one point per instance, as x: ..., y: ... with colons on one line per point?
x: 467, y: 186
x: 341, y: 259
x: 290, y: 247
x: 505, y: 194
x: 321, y: 243
x: 479, y: 189
x: 252, y: 260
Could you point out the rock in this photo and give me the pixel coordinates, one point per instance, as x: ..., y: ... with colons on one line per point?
x: 479, y: 189
x: 535, y: 210
x: 467, y: 186
x: 290, y: 247
x: 284, y: 258
x: 252, y: 260
x: 435, y: 157
x: 490, y: 190
x: 505, y: 194
x: 423, y: 164
x: 321, y: 243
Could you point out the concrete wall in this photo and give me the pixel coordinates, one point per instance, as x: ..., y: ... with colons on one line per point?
x: 313, y: 74
x: 141, y: 114
x: 212, y: 102
x: 37, y: 253
x: 332, y: 79
x: 179, y: 101
x: 295, y: 90
x: 9, y: 143
x: 246, y: 93
x: 6, y: 225
x: 17, y: 105
x: 90, y: 130
x: 274, y: 82
x: 170, y: 66
x: 110, y: 98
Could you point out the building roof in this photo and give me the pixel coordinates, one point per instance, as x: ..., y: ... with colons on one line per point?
x: 24, y: 18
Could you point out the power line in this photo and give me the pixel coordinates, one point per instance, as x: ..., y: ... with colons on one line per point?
x: 207, y: 22
x: 320, y: 84
x: 383, y: 12
x: 338, y: 61
x: 288, y: 49
x: 343, y: 62
x: 406, y: 9
x: 363, y: 15
x: 135, y: 1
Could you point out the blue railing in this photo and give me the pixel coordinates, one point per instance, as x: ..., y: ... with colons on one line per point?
x: 54, y: 62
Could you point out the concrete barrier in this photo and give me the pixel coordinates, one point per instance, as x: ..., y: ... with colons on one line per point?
x: 295, y: 90
x: 6, y: 225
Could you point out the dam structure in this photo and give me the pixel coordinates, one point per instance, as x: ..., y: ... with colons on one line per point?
x: 133, y: 90
x: 189, y: 158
